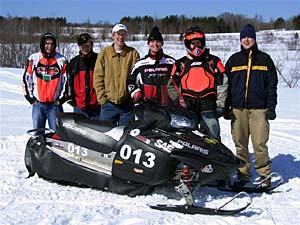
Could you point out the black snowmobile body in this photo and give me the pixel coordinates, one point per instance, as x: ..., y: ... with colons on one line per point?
x: 125, y: 160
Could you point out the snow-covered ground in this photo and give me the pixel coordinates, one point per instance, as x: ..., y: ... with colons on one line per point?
x: 36, y: 201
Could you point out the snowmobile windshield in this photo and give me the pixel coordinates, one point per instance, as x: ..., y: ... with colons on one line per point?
x: 181, y: 121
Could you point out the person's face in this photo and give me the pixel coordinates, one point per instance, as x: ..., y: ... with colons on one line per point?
x: 155, y: 46
x: 195, y: 43
x: 247, y: 42
x: 119, y: 37
x: 86, y: 48
x: 49, y: 45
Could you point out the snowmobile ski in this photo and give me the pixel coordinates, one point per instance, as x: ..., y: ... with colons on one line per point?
x: 256, y: 186
x: 193, y: 209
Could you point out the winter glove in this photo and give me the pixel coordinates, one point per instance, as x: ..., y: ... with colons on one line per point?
x: 270, y: 115
x: 137, y: 96
x: 228, y: 114
x: 57, y: 102
x: 182, y: 102
x: 219, y: 112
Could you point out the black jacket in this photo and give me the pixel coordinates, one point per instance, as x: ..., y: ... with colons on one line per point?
x: 150, y: 75
x: 81, y: 70
x: 253, y: 87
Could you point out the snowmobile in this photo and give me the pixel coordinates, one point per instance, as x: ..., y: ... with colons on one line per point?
x: 162, y: 146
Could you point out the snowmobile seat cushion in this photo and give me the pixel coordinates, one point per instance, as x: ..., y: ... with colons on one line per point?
x: 100, y: 126
x: 78, y: 119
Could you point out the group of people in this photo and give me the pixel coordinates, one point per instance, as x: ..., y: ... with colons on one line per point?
x: 105, y: 86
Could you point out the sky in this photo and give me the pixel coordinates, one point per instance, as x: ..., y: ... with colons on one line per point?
x: 113, y: 10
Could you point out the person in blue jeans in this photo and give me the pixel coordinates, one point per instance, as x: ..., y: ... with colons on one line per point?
x: 117, y: 114
x: 44, y: 83
x: 41, y: 112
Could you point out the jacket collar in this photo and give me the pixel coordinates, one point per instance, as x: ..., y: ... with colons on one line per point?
x: 48, y: 56
x: 156, y: 56
x: 126, y: 50
x: 254, y: 49
x: 86, y: 56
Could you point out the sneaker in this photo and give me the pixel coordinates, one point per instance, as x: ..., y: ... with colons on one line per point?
x: 265, y: 182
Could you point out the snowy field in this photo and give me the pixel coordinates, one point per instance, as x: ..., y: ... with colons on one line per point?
x: 36, y: 201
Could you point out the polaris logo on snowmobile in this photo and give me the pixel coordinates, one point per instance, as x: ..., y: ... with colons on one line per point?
x: 207, y: 169
x: 192, y: 146
x: 76, y: 129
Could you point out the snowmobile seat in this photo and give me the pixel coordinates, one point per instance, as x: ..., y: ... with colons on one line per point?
x: 97, y: 135
x: 80, y: 120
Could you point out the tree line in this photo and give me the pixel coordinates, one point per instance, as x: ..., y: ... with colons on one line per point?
x: 224, y: 23
x: 19, y: 36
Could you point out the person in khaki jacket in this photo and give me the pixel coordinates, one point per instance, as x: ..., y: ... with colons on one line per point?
x: 111, y: 71
x: 251, y: 103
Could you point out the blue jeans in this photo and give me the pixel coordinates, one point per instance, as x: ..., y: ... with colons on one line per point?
x: 211, y: 124
x: 120, y: 114
x: 89, y: 114
x: 41, y: 112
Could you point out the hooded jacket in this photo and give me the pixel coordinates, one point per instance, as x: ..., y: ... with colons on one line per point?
x: 45, y: 76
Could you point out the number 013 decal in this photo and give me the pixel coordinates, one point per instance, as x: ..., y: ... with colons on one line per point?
x: 126, y: 152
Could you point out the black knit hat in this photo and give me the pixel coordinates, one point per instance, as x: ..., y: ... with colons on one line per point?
x: 155, y: 35
x: 42, y: 42
x: 248, y: 31
x: 84, y: 38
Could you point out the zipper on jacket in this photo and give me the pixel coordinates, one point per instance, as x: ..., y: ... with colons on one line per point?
x: 248, y: 75
x: 87, y: 87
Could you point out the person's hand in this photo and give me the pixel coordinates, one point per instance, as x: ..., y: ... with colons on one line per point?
x: 228, y: 114
x: 182, y: 102
x: 219, y: 112
x: 270, y: 115
x: 35, y: 102
x: 137, y: 96
x: 57, y: 102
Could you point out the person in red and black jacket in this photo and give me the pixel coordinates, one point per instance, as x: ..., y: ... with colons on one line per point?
x: 81, y: 71
x: 150, y: 75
